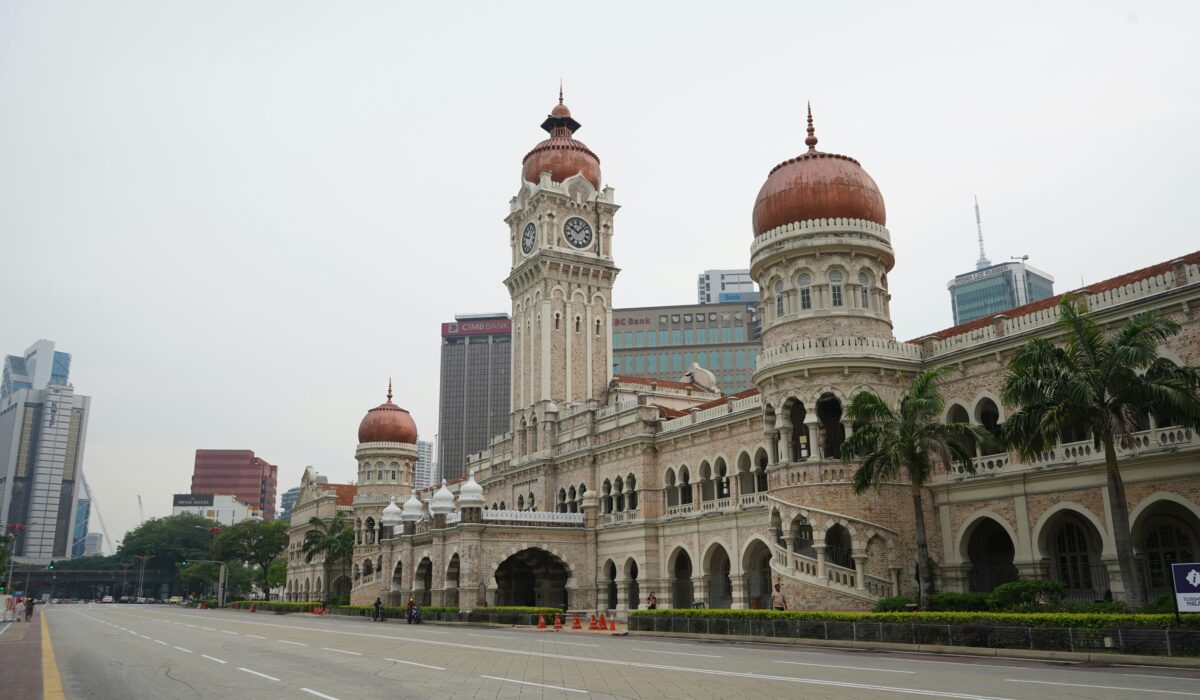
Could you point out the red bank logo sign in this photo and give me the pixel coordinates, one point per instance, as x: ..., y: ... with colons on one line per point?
x: 482, y: 327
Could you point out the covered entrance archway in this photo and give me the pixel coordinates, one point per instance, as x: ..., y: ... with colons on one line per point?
x: 682, y: 593
x: 990, y: 552
x: 756, y: 563
x: 423, y: 582
x: 720, y: 587
x: 532, y: 577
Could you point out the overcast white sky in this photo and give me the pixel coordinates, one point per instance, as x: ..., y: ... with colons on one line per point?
x: 242, y: 217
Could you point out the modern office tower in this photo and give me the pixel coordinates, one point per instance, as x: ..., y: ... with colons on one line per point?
x: 723, y: 286
x: 997, y: 288
x: 287, y: 500
x: 475, y: 386
x: 224, y: 508
x: 239, y: 473
x: 424, y: 465
x: 43, y: 426
x: 662, y: 342
x: 83, y: 514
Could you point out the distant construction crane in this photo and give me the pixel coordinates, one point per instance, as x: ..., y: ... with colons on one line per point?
x: 112, y: 546
x: 141, y: 511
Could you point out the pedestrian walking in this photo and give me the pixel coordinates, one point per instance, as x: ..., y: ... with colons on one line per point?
x: 378, y: 614
x: 28, y: 609
x: 778, y: 600
x: 651, y: 602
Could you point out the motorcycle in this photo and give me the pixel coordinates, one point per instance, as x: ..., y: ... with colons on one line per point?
x: 414, y: 616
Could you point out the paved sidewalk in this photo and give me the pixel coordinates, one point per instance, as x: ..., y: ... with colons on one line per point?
x: 21, y: 652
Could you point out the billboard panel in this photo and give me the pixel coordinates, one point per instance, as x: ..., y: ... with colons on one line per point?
x: 477, y: 327
x: 1187, y: 586
x: 192, y: 499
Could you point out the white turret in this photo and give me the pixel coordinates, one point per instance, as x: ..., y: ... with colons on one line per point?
x: 443, y: 501
x: 470, y: 494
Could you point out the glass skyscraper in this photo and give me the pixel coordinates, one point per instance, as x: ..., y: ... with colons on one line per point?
x: 475, y: 388
x: 997, y: 288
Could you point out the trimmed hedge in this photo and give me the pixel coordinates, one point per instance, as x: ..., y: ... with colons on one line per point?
x: 1063, y: 620
x: 519, y: 609
x: 274, y: 605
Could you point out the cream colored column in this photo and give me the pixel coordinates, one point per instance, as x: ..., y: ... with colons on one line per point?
x: 570, y: 333
x: 608, y: 333
x: 546, y: 338
x: 587, y: 331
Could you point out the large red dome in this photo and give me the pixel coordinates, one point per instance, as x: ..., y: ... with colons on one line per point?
x: 387, y: 422
x: 561, y: 155
x: 817, y: 185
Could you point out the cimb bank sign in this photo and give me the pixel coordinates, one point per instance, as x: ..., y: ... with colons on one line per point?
x: 481, y: 327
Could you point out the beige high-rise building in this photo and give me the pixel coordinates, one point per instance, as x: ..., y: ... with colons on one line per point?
x: 610, y: 487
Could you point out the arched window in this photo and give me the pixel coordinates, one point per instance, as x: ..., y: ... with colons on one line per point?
x: 631, y: 492
x: 804, y: 284
x: 557, y: 319
x: 597, y: 328
x: 578, y: 321
x: 1071, y: 557
x: 606, y: 500
x: 520, y: 503
x: 778, y: 299
x: 529, y: 501
x: 835, y: 287
x: 864, y: 290
x: 1166, y: 544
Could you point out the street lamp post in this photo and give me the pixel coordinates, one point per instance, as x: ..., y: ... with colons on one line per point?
x: 142, y: 572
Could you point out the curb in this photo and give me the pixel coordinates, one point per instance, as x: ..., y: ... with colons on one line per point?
x: 1031, y: 654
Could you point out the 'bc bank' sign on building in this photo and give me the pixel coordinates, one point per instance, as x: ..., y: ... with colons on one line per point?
x: 1187, y: 587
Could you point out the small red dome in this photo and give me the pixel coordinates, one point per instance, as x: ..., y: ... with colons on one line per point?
x: 561, y: 155
x: 387, y: 422
x: 817, y: 185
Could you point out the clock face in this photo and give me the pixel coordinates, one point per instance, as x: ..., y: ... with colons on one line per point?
x: 528, y: 238
x: 578, y: 232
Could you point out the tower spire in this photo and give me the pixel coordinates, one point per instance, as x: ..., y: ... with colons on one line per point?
x: 389, y: 390
x: 811, y: 141
x: 983, y: 261
x: 560, y: 95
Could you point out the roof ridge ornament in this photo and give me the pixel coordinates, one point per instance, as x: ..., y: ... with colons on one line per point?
x: 389, y: 394
x: 811, y: 141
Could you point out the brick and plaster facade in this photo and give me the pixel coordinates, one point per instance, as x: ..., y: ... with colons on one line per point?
x: 610, y: 487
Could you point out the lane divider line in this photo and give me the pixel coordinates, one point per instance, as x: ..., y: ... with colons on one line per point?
x: 540, y: 685
x: 159, y: 641
x: 186, y: 651
x: 284, y: 641
x: 212, y: 658
x: 310, y: 691
x: 1104, y: 687
x: 414, y: 663
x: 256, y: 673
x: 255, y: 636
x: 342, y: 651
x: 852, y: 668
x: 677, y: 653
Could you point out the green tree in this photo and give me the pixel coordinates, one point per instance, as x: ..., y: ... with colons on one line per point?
x: 255, y: 542
x: 169, y: 540
x: 909, y: 442
x: 333, y: 539
x: 276, y: 574
x: 1105, y: 385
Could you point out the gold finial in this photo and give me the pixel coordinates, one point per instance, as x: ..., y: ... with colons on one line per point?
x: 811, y: 141
x: 389, y: 389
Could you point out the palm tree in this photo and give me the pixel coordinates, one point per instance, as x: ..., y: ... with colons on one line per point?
x: 1108, y: 386
x: 333, y: 538
x: 909, y: 442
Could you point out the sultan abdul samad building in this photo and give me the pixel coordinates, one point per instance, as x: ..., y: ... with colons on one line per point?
x: 609, y: 487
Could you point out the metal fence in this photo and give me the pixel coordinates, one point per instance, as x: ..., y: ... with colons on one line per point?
x: 1158, y: 642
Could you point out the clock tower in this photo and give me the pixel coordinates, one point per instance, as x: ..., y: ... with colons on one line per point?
x: 560, y: 231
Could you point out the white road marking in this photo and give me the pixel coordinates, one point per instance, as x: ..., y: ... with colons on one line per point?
x: 284, y: 641
x: 143, y: 636
x: 488, y: 636
x: 630, y: 664
x: 570, y: 644
x: 159, y: 641
x: 186, y: 651
x: 1147, y: 675
x: 342, y: 651
x: 414, y: 663
x: 852, y: 668
x: 208, y: 628
x: 227, y: 632
x: 677, y: 653
x: 212, y: 658
x: 540, y: 685
x: 1105, y: 687
x: 192, y: 626
x: 320, y: 695
x: 255, y: 636
x: 5, y: 629
x: 263, y: 675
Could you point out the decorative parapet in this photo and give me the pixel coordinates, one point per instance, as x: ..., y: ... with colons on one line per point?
x: 817, y: 227
x: 750, y: 403
x: 856, y: 347
x: 533, y: 517
x: 1180, y: 275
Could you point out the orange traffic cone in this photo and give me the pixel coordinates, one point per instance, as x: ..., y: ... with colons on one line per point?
x: 603, y: 622
x: 541, y: 621
x: 557, y: 621
x: 203, y: 606
x: 592, y: 624
x: 576, y: 624
x: 612, y: 624
x: 253, y: 608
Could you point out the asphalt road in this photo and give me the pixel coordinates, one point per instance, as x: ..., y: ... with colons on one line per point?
x: 107, y: 651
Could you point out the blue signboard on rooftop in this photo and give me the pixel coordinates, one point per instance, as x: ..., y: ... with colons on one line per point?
x: 1187, y: 586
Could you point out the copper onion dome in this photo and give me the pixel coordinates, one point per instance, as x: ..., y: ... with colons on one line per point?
x: 817, y: 185
x: 561, y: 155
x: 387, y: 422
